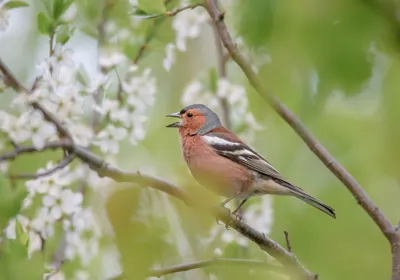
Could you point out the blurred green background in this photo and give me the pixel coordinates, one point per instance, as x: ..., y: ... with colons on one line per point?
x: 334, y: 63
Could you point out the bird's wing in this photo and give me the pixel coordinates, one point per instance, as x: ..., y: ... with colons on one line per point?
x: 230, y: 146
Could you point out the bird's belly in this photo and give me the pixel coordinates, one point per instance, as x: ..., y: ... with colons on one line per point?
x: 226, y: 180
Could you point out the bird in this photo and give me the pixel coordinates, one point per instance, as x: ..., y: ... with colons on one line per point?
x: 221, y: 162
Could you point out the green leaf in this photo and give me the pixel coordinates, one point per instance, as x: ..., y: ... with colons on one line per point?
x: 15, y: 4
x: 45, y: 24
x: 90, y: 31
x: 10, y: 201
x: 15, y: 264
x: 152, y: 6
x: 60, y: 6
x: 21, y: 235
x: 64, y: 34
x: 256, y: 20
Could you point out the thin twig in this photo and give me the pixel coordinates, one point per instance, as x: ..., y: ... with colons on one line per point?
x: 289, y: 248
x: 62, y: 164
x: 177, y: 11
x: 9, y: 79
x: 150, y: 35
x: 212, y: 262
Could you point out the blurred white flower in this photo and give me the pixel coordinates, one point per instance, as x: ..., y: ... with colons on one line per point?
x: 169, y: 59
x: 111, y: 58
x: 138, y: 129
x: 3, y: 166
x: 44, y: 184
x: 40, y: 129
x: 108, y: 139
x: 192, y: 92
x: 61, y: 57
x: 62, y: 202
x: 43, y: 223
x: 13, y: 127
x: 141, y: 90
x: 82, y: 134
x: 58, y: 275
x: 87, y: 247
x: 4, y: 18
x: 218, y: 252
x: 260, y: 215
x: 188, y: 26
x: 232, y: 236
x: 81, y: 275
x: 98, y: 81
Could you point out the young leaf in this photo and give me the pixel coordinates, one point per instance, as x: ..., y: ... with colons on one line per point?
x: 60, y: 6
x: 10, y: 201
x: 15, y: 4
x: 152, y: 6
x: 21, y: 235
x: 45, y: 24
x: 63, y: 34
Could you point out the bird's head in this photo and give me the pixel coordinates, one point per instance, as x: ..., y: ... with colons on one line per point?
x: 197, y: 119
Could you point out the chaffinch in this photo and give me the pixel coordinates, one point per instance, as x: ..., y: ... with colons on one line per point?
x: 220, y: 161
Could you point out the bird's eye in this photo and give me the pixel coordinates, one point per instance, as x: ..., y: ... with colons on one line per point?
x: 189, y: 115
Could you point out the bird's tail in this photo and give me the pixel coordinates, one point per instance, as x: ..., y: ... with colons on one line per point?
x: 314, y: 202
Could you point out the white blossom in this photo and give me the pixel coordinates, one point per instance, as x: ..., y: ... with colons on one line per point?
x: 14, y: 127
x: 108, y: 139
x: 43, y: 223
x: 81, y: 275
x: 62, y: 202
x: 78, y: 245
x: 232, y: 236
x: 169, y: 59
x: 58, y: 275
x: 45, y: 184
x: 111, y: 58
x: 188, y: 26
x: 260, y: 215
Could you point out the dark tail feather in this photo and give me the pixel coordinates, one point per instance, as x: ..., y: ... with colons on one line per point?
x: 315, y: 202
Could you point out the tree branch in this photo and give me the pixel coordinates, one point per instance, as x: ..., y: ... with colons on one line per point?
x: 177, y: 11
x: 326, y: 158
x: 106, y: 170
x: 341, y: 173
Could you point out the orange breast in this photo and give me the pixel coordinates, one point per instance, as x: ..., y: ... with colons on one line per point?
x: 219, y: 174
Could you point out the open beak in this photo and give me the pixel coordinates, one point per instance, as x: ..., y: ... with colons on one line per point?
x: 175, y: 124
